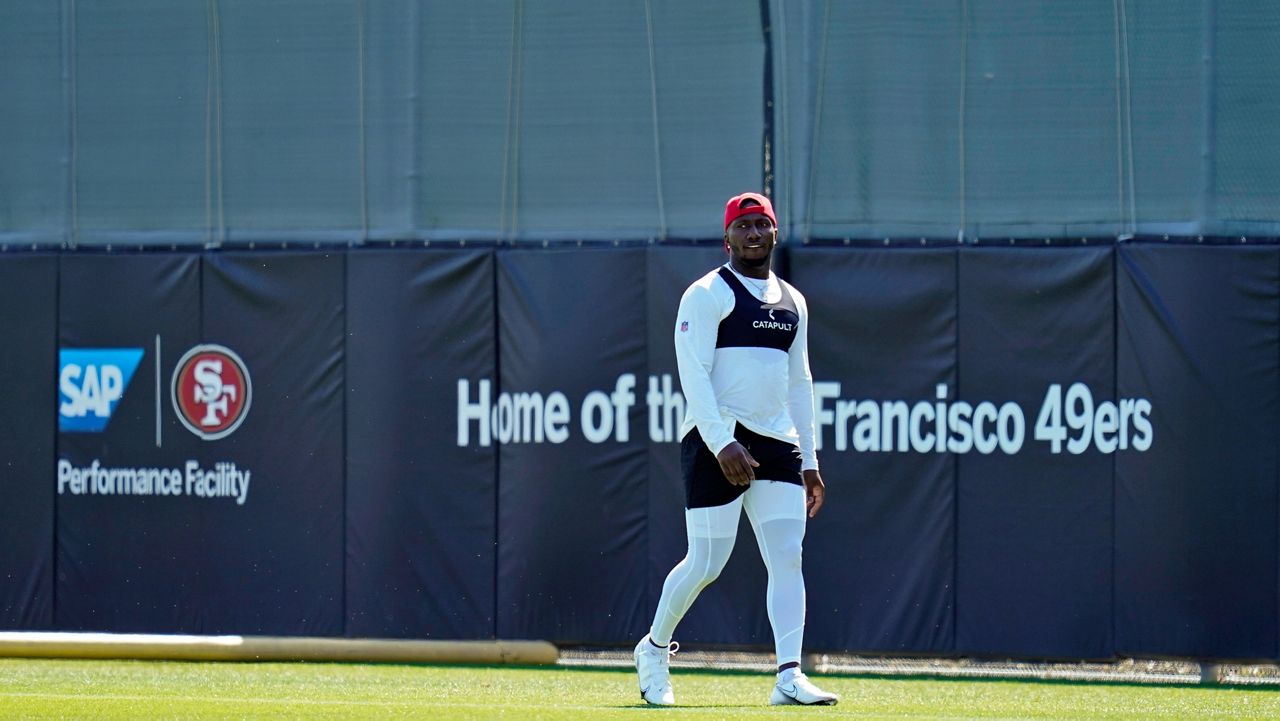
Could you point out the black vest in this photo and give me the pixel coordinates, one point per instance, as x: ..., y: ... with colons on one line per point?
x: 755, y: 324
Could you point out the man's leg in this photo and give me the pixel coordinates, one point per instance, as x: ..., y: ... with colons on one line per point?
x: 711, y: 533
x: 777, y: 513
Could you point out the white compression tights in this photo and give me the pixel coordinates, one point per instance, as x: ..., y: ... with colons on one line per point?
x: 780, y: 542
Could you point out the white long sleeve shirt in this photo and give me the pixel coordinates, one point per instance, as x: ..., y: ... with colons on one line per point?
x: 767, y: 389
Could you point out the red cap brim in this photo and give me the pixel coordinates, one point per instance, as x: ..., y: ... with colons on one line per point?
x: 734, y: 210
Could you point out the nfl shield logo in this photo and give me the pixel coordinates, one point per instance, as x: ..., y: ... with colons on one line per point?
x: 684, y: 326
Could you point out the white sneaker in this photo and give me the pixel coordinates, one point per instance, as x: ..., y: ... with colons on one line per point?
x: 794, y: 687
x: 653, y: 664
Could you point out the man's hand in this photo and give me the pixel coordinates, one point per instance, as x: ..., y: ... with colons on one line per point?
x: 815, y: 491
x: 737, y: 464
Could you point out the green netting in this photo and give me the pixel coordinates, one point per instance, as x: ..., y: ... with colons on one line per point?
x: 143, y: 135
x: 1246, y: 103
x: 33, y: 117
x: 153, y: 121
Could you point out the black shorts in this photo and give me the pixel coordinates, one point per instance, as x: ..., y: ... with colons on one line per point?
x: 704, y: 483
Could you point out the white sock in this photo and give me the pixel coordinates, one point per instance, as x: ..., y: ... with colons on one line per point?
x: 701, y: 566
x: 780, y: 545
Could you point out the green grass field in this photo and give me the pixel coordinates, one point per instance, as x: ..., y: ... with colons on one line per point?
x: 196, y: 690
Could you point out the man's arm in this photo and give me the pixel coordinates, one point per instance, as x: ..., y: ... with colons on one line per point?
x: 800, y: 403
x: 697, y: 323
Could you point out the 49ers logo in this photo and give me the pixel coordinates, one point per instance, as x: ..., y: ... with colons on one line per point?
x: 211, y: 391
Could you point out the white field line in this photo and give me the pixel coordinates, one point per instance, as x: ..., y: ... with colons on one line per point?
x: 737, y: 711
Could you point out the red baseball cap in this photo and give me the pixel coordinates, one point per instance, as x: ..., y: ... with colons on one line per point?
x: 734, y: 210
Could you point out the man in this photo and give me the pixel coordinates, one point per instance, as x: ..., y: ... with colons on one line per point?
x: 741, y: 342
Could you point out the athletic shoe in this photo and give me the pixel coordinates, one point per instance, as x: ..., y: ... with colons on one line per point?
x: 794, y: 687
x: 653, y: 664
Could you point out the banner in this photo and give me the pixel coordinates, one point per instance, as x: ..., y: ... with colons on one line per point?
x: 199, y: 464
x: 283, y: 313
x: 133, y: 545
x: 567, y: 413
x: 1037, y: 352
x: 420, y: 506
x: 1196, y: 523
x: 1029, y: 452
x: 879, y: 558
x: 28, y: 365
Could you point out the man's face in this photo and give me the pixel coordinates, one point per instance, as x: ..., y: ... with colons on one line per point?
x: 750, y: 239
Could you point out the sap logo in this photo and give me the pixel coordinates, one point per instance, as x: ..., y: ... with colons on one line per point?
x: 211, y: 391
x: 91, y: 381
